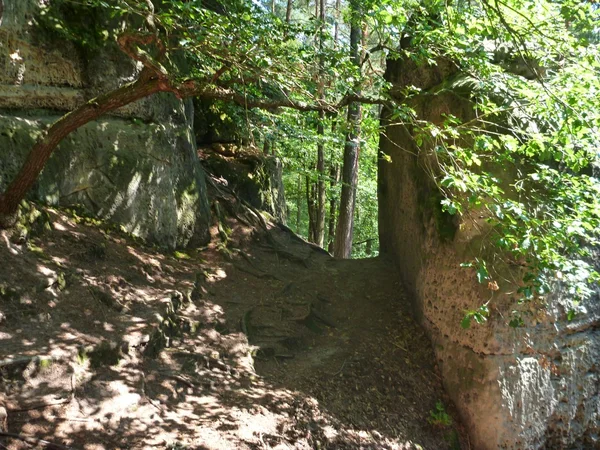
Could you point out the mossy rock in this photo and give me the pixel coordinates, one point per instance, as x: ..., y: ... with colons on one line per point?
x: 31, y: 222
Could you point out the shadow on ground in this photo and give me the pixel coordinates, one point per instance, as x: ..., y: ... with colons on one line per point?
x: 257, y: 341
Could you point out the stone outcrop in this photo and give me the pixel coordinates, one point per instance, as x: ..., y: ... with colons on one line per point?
x: 254, y: 177
x: 137, y: 167
x: 536, y: 386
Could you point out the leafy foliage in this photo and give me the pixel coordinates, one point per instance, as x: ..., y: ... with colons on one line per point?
x: 526, y: 160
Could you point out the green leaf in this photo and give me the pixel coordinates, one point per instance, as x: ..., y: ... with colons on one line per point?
x: 465, y: 323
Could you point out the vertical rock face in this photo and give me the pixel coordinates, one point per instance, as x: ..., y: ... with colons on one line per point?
x: 537, y: 386
x: 137, y: 167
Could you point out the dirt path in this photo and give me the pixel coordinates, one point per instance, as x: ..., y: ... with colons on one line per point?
x: 259, y: 342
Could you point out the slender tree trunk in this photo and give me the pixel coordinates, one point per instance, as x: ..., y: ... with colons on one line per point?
x: 336, y: 27
x: 310, y: 202
x: 345, y: 226
x: 334, y: 174
x: 266, y: 147
x: 320, y: 207
x: 288, y: 11
x: 273, y: 7
x: 42, y: 150
x: 334, y: 169
x: 369, y: 249
x: 298, y: 204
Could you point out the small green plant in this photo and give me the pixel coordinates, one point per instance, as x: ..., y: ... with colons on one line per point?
x: 181, y: 255
x: 82, y: 357
x: 45, y: 363
x: 439, y: 417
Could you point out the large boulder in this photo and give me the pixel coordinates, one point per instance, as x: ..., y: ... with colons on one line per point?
x: 255, y: 177
x: 137, y: 167
x: 536, y: 386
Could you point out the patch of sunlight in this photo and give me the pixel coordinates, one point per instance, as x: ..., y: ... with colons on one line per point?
x: 108, y: 327
x: 59, y: 261
x: 52, y: 199
x: 119, y: 199
x: 133, y: 188
x: 218, y: 275
x: 5, y: 336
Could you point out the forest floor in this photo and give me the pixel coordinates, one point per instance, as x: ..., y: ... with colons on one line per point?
x: 256, y: 341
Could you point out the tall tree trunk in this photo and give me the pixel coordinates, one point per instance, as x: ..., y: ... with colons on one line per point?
x: 310, y: 203
x: 266, y: 147
x: 42, y: 150
x: 336, y: 27
x: 334, y: 169
x: 334, y: 175
x: 298, y: 204
x: 345, y: 226
x: 320, y: 207
x: 288, y: 11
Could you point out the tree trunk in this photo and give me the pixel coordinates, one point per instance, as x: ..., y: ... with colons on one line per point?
x: 299, y: 204
x: 334, y: 170
x: 334, y: 174
x: 42, y: 150
x: 310, y: 203
x: 320, y: 207
x: 288, y: 11
x: 336, y: 26
x: 345, y: 226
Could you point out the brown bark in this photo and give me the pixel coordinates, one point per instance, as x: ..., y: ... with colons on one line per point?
x: 266, y: 147
x: 299, y: 204
x: 343, y: 237
x: 42, y: 150
x: 319, y: 232
x: 345, y: 226
x: 310, y: 204
x: 320, y: 206
x: 334, y: 174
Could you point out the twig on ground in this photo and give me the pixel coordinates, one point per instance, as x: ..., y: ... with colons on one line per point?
x: 147, y: 397
x: 341, y: 368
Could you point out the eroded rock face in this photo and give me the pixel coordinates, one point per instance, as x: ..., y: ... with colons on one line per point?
x: 137, y: 167
x: 537, y: 386
x: 253, y: 176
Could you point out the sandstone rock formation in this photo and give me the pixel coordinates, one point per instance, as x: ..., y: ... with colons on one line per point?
x: 137, y: 167
x: 537, y: 386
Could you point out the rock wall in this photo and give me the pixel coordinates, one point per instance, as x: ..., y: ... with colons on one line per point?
x: 256, y: 178
x: 137, y: 167
x: 537, y: 386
